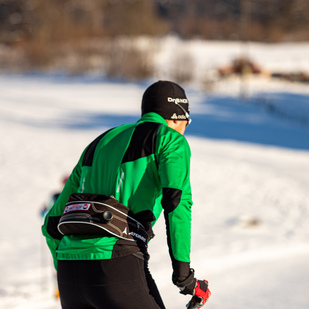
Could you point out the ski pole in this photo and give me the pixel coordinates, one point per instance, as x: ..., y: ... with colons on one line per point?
x: 195, y: 302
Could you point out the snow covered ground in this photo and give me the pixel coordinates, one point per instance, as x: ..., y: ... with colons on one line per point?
x: 250, y: 177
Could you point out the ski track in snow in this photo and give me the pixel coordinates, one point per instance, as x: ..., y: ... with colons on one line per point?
x: 251, y: 202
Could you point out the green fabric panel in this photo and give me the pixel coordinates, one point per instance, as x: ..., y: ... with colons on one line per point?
x: 137, y: 184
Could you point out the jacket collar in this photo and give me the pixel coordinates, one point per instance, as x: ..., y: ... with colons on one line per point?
x: 152, y: 117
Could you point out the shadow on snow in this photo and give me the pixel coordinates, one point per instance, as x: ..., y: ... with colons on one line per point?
x: 260, y: 120
x: 225, y: 118
x: 277, y: 119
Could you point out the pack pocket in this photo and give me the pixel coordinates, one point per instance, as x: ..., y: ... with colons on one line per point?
x: 94, y: 214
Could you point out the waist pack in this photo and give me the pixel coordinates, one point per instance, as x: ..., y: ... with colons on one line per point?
x: 94, y: 214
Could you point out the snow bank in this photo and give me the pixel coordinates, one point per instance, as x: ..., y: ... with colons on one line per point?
x: 250, y: 175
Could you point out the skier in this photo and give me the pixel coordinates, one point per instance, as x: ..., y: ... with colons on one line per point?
x: 145, y: 166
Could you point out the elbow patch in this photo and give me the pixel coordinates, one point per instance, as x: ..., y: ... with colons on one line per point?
x: 52, y: 229
x: 171, y: 199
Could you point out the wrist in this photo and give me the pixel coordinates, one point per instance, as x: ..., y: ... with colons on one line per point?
x: 187, y: 285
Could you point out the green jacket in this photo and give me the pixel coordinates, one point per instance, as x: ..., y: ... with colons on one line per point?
x: 145, y: 166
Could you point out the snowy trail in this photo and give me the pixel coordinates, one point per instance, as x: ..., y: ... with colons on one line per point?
x: 47, y: 124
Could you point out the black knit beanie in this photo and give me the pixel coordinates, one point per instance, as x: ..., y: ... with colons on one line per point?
x: 164, y: 98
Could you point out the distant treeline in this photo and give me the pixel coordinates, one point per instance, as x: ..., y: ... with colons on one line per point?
x: 254, y: 20
x: 63, y: 20
x: 81, y: 35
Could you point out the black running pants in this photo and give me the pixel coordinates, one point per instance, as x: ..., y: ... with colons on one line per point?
x: 120, y: 283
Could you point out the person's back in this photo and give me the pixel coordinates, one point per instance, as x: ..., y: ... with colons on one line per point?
x: 130, y: 163
x: 146, y: 167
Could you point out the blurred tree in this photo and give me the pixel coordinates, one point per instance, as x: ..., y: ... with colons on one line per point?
x: 132, y: 17
x: 54, y: 29
x: 13, y: 26
x: 71, y: 20
x: 48, y: 28
x: 266, y: 20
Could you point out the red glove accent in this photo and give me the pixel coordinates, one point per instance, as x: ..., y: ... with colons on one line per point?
x: 201, y: 295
